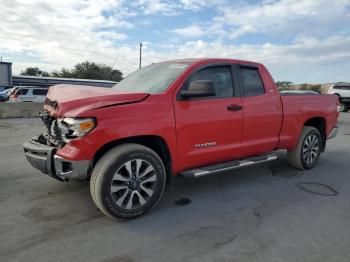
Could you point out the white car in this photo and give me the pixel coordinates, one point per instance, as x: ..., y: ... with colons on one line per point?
x: 298, y: 92
x: 28, y: 94
x: 343, y: 92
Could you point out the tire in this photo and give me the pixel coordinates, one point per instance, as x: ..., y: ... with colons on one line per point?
x: 343, y: 107
x: 127, y: 181
x: 310, y: 142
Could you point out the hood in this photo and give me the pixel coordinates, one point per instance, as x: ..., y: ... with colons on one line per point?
x: 72, y: 100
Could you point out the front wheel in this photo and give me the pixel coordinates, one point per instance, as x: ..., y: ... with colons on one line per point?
x: 127, y: 181
x: 308, y: 150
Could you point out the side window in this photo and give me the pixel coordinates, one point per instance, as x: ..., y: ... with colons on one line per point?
x: 220, y: 75
x: 23, y: 92
x: 40, y: 92
x: 342, y: 87
x: 251, y: 81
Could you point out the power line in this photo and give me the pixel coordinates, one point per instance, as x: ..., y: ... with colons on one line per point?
x: 116, y: 58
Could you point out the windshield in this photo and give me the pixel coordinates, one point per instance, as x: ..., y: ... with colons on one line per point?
x: 152, y: 79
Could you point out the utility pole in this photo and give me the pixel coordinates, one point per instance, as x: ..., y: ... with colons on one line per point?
x: 140, y: 55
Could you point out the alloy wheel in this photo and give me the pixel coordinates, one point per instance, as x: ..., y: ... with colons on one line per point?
x: 311, y: 149
x: 133, y: 184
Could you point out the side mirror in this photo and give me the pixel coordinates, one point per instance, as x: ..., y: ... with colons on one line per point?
x: 199, y: 88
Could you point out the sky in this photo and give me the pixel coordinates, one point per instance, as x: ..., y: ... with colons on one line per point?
x: 303, y: 41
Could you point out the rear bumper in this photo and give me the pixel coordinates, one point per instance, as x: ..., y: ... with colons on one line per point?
x: 334, y: 132
x: 44, y: 158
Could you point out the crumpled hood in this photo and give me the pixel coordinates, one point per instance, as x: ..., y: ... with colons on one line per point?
x: 72, y: 100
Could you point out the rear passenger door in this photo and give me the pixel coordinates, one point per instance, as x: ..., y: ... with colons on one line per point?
x: 24, y: 94
x: 346, y: 92
x: 262, y: 112
x: 39, y: 95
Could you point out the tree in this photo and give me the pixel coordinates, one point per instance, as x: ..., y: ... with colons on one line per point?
x: 304, y: 87
x: 90, y: 70
x: 84, y: 70
x: 87, y: 70
x: 64, y: 73
x: 316, y: 88
x: 34, y: 71
x: 283, y: 85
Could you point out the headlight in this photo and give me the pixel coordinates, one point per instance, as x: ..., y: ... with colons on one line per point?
x: 71, y: 128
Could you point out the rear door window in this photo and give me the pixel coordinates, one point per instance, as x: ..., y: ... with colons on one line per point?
x: 23, y: 91
x: 347, y: 88
x: 40, y: 92
x: 251, y: 81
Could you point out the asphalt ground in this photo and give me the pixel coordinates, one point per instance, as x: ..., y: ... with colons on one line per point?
x: 268, y: 213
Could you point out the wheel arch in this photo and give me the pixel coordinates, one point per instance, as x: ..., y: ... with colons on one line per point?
x: 154, y: 142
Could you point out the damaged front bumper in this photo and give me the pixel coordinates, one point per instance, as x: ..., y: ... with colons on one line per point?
x: 44, y: 158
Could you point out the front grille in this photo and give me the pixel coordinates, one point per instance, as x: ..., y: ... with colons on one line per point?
x: 51, y: 103
x: 53, y: 136
x: 47, y: 119
x: 55, y: 131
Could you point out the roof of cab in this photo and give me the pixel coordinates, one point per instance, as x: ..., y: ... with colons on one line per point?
x: 211, y: 60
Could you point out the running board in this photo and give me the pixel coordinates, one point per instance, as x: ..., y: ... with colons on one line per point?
x: 209, y: 170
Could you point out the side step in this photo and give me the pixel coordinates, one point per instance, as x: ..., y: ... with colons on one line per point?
x: 209, y: 170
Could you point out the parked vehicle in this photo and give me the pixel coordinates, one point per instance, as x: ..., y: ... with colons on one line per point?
x: 342, y: 90
x: 298, y: 92
x: 4, y: 95
x: 192, y: 118
x: 28, y: 94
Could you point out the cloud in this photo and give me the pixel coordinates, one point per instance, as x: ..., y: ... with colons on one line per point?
x: 173, y: 8
x: 285, y: 18
x: 281, y: 20
x: 63, y: 32
x: 111, y: 35
x: 196, y: 5
x: 318, y: 61
x: 189, y: 32
x: 151, y: 7
x: 298, y: 40
x: 303, y: 50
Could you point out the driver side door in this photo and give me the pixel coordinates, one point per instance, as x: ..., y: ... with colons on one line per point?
x: 209, y: 128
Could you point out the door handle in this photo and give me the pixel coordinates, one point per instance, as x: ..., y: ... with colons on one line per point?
x: 234, y: 107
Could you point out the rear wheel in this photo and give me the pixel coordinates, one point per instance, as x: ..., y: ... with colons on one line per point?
x: 308, y: 150
x: 343, y: 107
x: 127, y: 181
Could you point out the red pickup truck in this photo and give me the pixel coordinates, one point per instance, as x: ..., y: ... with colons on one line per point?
x: 191, y: 117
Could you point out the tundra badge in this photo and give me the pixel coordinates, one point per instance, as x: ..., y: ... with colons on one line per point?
x: 205, y: 144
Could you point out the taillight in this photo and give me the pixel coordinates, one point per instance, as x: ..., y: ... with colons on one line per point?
x: 338, y: 106
x: 13, y: 96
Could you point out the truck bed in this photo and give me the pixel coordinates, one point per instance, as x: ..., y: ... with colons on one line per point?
x: 297, y: 109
